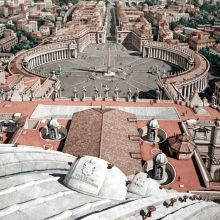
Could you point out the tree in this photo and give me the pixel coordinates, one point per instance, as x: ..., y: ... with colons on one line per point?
x: 10, y: 26
x: 26, y: 44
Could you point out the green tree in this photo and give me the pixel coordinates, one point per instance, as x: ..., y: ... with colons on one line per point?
x: 10, y: 26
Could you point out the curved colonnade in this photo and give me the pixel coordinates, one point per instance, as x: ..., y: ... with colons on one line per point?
x: 24, y: 63
x: 40, y: 55
x: 179, y: 85
x: 176, y: 86
x: 49, y: 53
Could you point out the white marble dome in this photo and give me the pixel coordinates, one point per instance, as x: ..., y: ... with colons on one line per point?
x: 160, y: 158
x: 153, y: 124
x: 93, y: 176
x: 53, y: 123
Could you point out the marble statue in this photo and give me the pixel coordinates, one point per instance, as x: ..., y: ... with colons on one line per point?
x: 137, y: 94
x: 129, y: 93
x: 116, y: 92
x: 96, y: 92
x: 158, y: 93
x: 213, y: 99
x: 75, y: 92
x: 32, y: 94
x: 106, y: 91
x: 84, y: 92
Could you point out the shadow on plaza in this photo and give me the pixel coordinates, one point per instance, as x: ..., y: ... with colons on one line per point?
x: 88, y: 70
x: 150, y: 94
x: 130, y: 47
x: 137, y: 54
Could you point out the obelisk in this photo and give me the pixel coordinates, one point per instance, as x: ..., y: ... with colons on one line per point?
x: 109, y: 60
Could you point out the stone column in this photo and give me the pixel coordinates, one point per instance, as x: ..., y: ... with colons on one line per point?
x: 187, y: 90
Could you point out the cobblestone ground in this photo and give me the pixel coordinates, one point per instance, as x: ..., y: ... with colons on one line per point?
x: 130, y: 69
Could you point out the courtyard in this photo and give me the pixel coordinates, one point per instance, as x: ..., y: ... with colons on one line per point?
x: 129, y: 68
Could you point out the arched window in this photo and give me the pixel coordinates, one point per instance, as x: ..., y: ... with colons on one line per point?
x: 159, y: 173
x: 152, y: 135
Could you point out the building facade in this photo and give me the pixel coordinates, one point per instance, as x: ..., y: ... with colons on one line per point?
x: 7, y: 43
x: 199, y: 40
x: 217, y: 93
x: 133, y: 27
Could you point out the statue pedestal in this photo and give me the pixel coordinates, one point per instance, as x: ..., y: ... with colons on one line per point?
x: 86, y: 98
x: 129, y: 100
x: 106, y: 99
x: 98, y: 99
x: 119, y: 99
x: 74, y: 99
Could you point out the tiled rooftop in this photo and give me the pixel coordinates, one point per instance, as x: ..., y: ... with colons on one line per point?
x: 184, y: 169
x: 95, y: 132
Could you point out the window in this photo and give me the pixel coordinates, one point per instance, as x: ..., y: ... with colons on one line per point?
x: 201, y: 133
x: 152, y: 135
x: 159, y: 173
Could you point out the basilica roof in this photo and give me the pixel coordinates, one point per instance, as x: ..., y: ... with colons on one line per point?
x: 94, y: 132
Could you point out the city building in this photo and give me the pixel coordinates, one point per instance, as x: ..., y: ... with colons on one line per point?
x: 7, y: 43
x: 27, y: 28
x: 21, y: 23
x: 215, y: 49
x: 4, y: 11
x: 205, y: 134
x: 44, y: 30
x: 40, y: 5
x: 8, y: 32
x: 2, y: 29
x: 87, y: 26
x: 217, y: 93
x: 198, y: 40
x: 216, y: 35
x: 34, y: 25
x: 13, y: 9
x: 164, y: 35
x: 48, y: 3
x: 133, y: 27
x: 34, y: 17
x: 154, y: 15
